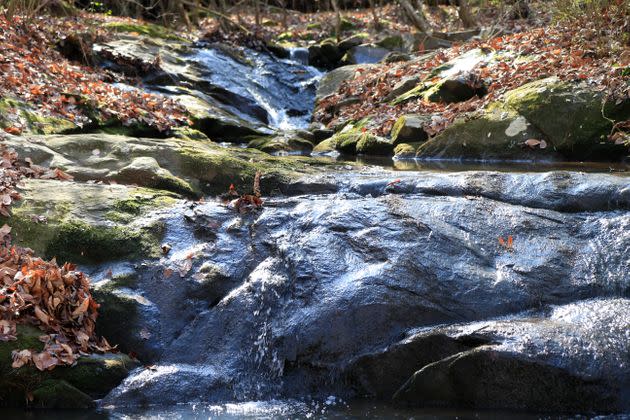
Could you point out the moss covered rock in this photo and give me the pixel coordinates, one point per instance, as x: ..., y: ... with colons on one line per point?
x: 410, y: 128
x: 572, y: 120
x: 199, y: 166
x: 208, y: 117
x: 30, y: 120
x: 406, y: 150
x: 392, y: 42
x: 125, y: 318
x: 64, y: 387
x: 325, y: 55
x: 355, y: 139
x: 88, y: 222
x: 493, y: 135
x: 287, y: 142
x: 572, y: 117
x: 369, y: 144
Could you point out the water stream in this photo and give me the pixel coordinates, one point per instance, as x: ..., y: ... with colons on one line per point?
x: 283, y: 88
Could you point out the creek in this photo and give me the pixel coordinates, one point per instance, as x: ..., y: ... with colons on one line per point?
x: 432, y: 283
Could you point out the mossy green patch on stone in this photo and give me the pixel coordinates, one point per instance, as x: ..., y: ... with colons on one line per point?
x: 65, y: 386
x: 60, y: 394
x: 188, y: 133
x: 370, y: 144
x: 416, y: 92
x: 117, y: 317
x: 571, y: 116
x: 149, y: 29
x: 110, y: 368
x: 392, y: 42
x: 492, y: 135
x: 346, y: 25
x: 81, y: 242
x: 406, y: 150
x: 287, y: 142
x: 86, y: 222
x: 14, y: 113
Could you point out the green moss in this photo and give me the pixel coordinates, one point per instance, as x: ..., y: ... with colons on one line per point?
x: 406, y: 150
x: 148, y: 29
x: 142, y: 202
x: 27, y: 338
x: 31, y: 119
x: 187, y: 133
x: 125, y: 211
x: 63, y: 387
x: 485, y: 137
x: 372, y: 145
x: 314, y: 25
x: 347, y: 24
x: 111, y: 369
x: 392, y: 42
x: 118, y: 318
x: 285, y: 36
x: 60, y: 394
x: 84, y: 243
x: 416, y: 92
x: 570, y: 115
x: 286, y: 143
x: 398, y: 125
x: 347, y: 142
x: 326, y: 146
x: 218, y: 170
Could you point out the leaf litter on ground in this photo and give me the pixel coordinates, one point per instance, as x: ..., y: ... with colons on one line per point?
x: 54, y: 298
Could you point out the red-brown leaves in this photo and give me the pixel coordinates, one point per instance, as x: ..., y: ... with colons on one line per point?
x: 35, y: 72
x: 508, y: 244
x: 55, y: 299
x: 246, y: 202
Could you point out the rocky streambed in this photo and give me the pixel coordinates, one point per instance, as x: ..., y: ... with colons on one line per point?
x: 453, y: 288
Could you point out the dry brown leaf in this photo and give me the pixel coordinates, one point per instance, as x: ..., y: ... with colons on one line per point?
x: 44, y: 361
x: 82, y: 308
x: 41, y: 315
x: 20, y: 358
x: 532, y: 143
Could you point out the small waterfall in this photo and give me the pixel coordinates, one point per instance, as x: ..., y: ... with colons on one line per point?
x: 284, y: 89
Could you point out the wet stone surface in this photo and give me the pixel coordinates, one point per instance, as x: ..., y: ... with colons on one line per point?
x: 292, y: 300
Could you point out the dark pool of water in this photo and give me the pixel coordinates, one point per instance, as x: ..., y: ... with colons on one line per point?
x: 283, y: 410
x: 516, y: 166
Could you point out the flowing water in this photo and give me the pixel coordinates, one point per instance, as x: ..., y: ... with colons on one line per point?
x: 283, y: 88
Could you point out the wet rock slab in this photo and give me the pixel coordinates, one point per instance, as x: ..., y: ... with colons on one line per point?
x: 313, y: 295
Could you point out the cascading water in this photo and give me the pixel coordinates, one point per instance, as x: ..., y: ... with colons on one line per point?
x: 283, y: 88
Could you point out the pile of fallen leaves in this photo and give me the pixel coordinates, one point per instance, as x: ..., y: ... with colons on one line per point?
x: 55, y: 299
x: 34, y: 72
x: 567, y: 50
x: 40, y: 293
